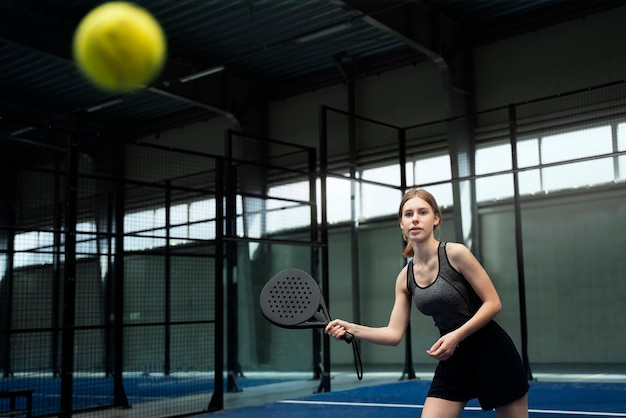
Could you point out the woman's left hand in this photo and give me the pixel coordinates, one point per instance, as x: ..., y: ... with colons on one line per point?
x: 444, y: 348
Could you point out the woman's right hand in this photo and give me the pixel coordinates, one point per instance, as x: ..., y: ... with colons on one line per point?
x: 337, y: 328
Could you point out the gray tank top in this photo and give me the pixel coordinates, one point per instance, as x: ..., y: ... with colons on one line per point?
x: 450, y: 299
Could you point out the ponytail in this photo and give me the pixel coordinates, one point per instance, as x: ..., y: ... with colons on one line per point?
x: 408, y: 250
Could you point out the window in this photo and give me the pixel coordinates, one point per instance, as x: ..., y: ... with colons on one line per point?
x: 492, y: 159
x: 436, y: 168
x: 202, y: 220
x: 528, y: 156
x: 377, y: 200
x: 338, y: 199
x: 549, y: 163
x: 621, y: 147
x: 575, y: 145
x: 552, y: 149
x: 86, y: 244
x: 140, y: 226
x: 179, y: 222
x: 528, y: 153
x: 289, y: 208
x: 32, y: 248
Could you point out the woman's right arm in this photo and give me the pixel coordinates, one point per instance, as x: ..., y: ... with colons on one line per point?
x: 389, y: 335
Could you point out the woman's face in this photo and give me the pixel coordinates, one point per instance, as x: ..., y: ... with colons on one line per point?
x: 418, y: 220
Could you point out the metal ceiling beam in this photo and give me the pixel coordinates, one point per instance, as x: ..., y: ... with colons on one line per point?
x: 55, y: 39
x: 438, y: 38
x: 36, y: 32
x: 446, y: 44
x: 26, y: 30
x: 537, y: 15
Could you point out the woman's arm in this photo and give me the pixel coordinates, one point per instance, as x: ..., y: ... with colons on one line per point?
x: 389, y: 335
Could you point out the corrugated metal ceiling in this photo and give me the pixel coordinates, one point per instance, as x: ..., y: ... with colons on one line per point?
x: 258, y: 42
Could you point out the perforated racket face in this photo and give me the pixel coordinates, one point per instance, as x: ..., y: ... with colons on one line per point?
x: 290, y: 298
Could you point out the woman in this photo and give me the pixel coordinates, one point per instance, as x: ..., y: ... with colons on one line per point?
x: 477, y: 359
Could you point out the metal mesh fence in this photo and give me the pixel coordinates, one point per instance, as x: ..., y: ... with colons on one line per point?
x: 128, y: 311
x: 112, y: 272
x: 518, y: 184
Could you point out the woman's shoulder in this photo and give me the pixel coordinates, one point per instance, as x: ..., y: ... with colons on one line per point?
x: 456, y: 250
x: 455, y: 247
x: 460, y: 257
x: 404, y: 272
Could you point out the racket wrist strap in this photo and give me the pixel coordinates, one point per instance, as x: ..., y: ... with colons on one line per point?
x: 358, y: 364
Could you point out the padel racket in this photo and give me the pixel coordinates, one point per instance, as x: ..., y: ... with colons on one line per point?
x: 293, y: 299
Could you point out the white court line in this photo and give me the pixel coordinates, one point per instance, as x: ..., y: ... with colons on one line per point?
x: 468, y: 408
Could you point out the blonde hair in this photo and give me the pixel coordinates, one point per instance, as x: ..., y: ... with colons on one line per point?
x: 428, y: 198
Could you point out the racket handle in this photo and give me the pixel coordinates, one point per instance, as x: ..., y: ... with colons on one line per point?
x: 347, y: 337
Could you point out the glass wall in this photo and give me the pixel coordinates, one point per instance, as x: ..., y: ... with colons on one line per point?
x: 569, y: 168
x: 560, y: 164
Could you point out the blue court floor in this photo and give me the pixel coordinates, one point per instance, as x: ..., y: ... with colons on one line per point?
x: 405, y: 398
x: 378, y: 394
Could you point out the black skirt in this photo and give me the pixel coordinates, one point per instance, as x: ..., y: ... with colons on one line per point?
x: 485, y: 366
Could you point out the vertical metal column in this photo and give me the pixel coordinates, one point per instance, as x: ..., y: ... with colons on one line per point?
x: 217, y: 400
x: 315, y: 258
x: 519, y: 242
x: 231, y: 255
x: 408, y: 372
x: 56, y: 270
x: 109, y: 237
x: 461, y: 149
x: 352, y: 162
x: 232, y: 293
x: 168, y: 281
x: 119, y: 393
x: 6, y: 299
x: 69, y: 279
x: 324, y: 385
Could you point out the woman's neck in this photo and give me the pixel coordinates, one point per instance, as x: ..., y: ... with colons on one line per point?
x: 424, y: 251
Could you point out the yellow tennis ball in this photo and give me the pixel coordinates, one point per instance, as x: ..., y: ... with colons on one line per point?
x: 119, y: 47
